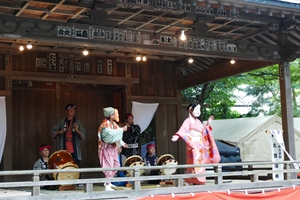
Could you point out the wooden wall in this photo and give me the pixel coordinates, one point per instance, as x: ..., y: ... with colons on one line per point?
x: 38, y: 105
x: 158, y: 85
x: 35, y: 111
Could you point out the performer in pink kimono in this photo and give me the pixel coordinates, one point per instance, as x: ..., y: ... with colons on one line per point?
x: 200, y: 144
x: 109, y: 133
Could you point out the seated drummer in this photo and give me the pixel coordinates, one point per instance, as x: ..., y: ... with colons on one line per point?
x: 42, y: 163
x: 150, y: 160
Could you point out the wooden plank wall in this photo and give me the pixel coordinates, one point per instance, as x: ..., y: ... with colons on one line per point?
x: 37, y: 106
x: 158, y: 85
x: 35, y: 111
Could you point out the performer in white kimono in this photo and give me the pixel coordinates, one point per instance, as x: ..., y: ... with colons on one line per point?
x: 109, y: 133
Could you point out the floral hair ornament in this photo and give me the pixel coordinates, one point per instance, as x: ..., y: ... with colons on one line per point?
x: 192, y: 105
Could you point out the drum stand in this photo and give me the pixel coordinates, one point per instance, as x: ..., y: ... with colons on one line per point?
x: 66, y: 187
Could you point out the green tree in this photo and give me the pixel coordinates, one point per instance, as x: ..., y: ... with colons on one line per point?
x: 218, y: 97
x: 263, y: 85
x: 215, y: 97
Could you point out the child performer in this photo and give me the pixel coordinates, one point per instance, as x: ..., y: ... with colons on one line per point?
x: 150, y: 160
x: 200, y: 144
x: 42, y: 163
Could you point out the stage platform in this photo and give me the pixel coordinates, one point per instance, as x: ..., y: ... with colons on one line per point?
x: 23, y: 192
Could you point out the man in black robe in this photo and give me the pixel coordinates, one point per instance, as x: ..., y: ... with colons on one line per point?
x: 130, y: 137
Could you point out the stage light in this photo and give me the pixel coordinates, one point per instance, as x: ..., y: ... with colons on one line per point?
x: 21, y: 48
x: 182, y: 36
x: 29, y: 45
x: 144, y: 58
x: 85, y: 52
x: 138, y: 58
x: 232, y: 61
x: 190, y: 60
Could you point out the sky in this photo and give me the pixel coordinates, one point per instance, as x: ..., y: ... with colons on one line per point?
x: 291, y: 1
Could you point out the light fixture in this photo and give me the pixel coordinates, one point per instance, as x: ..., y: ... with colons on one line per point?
x: 182, y: 36
x: 144, y: 58
x: 232, y: 61
x: 190, y: 60
x: 85, y: 52
x: 21, y: 48
x: 29, y: 45
x: 138, y: 58
x: 271, y: 13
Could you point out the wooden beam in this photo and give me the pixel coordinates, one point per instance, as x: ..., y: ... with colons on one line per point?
x: 67, y: 78
x: 5, y: 93
x: 131, y: 16
x: 219, y: 71
x: 23, y: 8
x: 78, y: 13
x: 53, y: 9
x: 238, y: 50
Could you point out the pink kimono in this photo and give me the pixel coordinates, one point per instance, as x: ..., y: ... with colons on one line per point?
x: 108, y: 152
x: 200, y: 147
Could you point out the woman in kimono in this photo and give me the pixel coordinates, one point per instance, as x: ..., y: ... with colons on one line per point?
x: 109, y: 133
x: 200, y: 145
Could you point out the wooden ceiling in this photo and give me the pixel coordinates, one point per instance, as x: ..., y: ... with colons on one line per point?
x: 251, y: 26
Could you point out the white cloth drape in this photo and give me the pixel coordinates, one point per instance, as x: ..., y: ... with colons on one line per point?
x: 143, y: 113
x: 2, y: 125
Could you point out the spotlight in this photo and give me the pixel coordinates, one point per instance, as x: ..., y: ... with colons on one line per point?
x: 144, y: 58
x: 190, y: 60
x: 138, y: 58
x: 21, y: 48
x: 182, y: 36
x: 232, y: 61
x: 29, y: 46
x: 85, y: 52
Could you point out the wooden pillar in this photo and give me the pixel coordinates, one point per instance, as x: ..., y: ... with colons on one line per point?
x: 127, y: 92
x: 287, y: 108
x: 286, y: 101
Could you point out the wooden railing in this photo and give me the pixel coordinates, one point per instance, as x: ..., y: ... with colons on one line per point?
x: 248, y: 170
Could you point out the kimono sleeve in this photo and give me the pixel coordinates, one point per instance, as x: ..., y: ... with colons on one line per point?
x: 212, y: 151
x: 184, y: 133
x: 111, y: 135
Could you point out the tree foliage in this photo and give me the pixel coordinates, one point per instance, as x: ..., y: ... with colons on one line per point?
x: 217, y: 98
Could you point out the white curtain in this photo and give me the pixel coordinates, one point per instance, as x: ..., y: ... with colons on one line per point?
x: 143, y: 113
x: 2, y: 125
